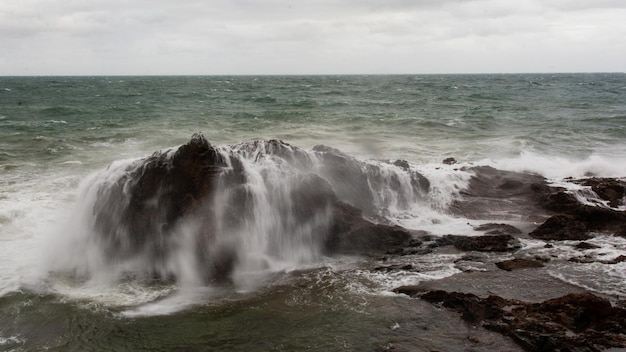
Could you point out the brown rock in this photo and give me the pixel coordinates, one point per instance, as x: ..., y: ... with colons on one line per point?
x: 518, y: 263
x: 575, y: 322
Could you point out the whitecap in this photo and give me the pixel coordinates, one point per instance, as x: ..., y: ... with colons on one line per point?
x: 558, y: 168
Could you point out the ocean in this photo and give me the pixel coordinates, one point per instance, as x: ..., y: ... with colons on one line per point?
x: 61, y: 136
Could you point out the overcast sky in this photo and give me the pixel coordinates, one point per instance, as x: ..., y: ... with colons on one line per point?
x: 84, y: 37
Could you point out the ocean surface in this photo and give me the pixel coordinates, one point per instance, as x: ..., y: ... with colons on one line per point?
x: 60, y: 135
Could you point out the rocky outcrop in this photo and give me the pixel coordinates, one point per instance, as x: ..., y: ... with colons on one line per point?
x: 487, y: 243
x: 498, y: 194
x: 575, y: 322
x: 575, y: 220
x: 562, y: 227
x: 140, y: 212
x: 611, y: 190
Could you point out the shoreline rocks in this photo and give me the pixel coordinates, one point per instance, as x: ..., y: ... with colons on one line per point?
x: 574, y: 322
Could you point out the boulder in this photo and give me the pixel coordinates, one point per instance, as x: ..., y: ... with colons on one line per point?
x: 518, y: 263
x: 561, y: 227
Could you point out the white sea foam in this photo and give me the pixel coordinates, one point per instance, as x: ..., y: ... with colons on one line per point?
x: 593, y: 269
x: 558, y: 168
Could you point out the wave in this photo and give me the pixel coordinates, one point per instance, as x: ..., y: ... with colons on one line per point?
x: 558, y: 168
x: 148, y: 233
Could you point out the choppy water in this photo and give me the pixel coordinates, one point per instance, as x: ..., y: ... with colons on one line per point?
x: 57, y: 132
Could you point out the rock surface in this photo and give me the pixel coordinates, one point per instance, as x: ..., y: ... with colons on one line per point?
x: 575, y: 221
x: 518, y: 263
x: 487, y: 243
x: 575, y: 322
x: 140, y: 213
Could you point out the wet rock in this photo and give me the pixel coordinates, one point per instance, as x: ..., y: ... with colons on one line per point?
x: 611, y: 190
x: 449, y: 161
x: 139, y: 211
x: 585, y: 246
x: 389, y: 268
x: 402, y: 164
x: 575, y: 322
x: 354, y: 181
x: 498, y: 229
x: 350, y: 233
x: 619, y: 259
x: 576, y: 220
x: 518, y: 263
x: 408, y: 290
x: 561, y: 227
x: 142, y: 211
x: 487, y: 243
x: 502, y: 195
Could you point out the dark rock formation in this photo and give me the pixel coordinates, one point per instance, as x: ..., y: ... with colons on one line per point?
x: 350, y: 233
x: 140, y: 213
x: 353, y: 181
x: 611, y: 190
x: 561, y: 227
x: 498, y: 229
x: 585, y: 246
x: 518, y: 263
x: 487, y: 243
x: 449, y: 161
x: 575, y: 220
x: 502, y: 195
x: 575, y: 322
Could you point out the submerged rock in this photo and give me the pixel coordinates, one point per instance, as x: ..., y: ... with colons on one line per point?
x: 575, y: 322
x: 487, y: 243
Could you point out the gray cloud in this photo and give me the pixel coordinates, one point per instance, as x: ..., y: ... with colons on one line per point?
x: 323, y: 36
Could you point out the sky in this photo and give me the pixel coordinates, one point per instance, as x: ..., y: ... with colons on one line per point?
x: 221, y: 37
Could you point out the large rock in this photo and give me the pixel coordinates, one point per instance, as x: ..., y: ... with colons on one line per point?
x: 562, y: 227
x: 613, y: 191
x: 502, y: 195
x: 140, y: 209
x: 575, y: 322
x: 350, y: 233
x: 140, y: 212
x: 575, y: 220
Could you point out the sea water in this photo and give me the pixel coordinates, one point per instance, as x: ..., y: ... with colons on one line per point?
x: 59, y: 134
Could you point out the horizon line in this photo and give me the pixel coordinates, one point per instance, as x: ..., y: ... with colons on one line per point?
x: 307, y: 74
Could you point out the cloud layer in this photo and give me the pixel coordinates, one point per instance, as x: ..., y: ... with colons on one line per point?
x: 314, y: 37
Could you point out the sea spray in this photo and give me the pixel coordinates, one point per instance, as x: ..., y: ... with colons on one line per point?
x: 253, y: 209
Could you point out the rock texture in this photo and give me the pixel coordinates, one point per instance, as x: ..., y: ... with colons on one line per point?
x: 140, y: 212
x: 487, y: 243
x: 518, y: 263
x: 574, y: 220
x: 575, y: 322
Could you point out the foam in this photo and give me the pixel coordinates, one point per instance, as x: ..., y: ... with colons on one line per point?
x: 557, y: 168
